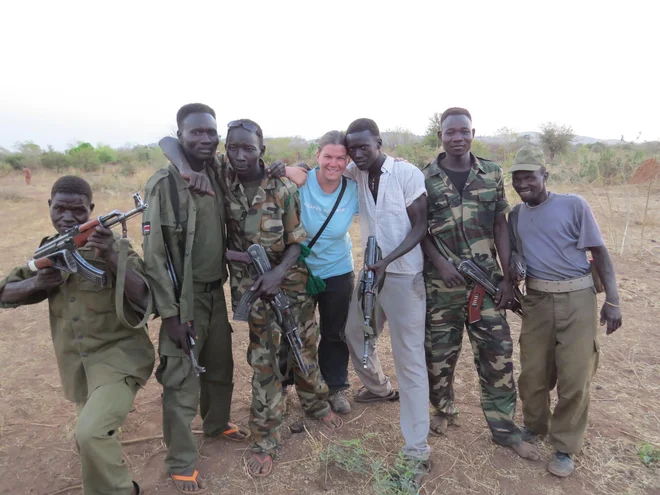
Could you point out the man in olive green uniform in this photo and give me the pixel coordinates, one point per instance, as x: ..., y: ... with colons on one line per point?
x: 189, y: 231
x: 466, y: 219
x: 266, y: 211
x: 102, y: 361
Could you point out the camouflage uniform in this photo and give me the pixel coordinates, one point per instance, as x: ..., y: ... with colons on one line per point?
x: 273, y: 221
x: 464, y: 222
x: 102, y: 364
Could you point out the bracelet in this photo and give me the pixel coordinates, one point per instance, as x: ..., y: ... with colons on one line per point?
x: 613, y: 305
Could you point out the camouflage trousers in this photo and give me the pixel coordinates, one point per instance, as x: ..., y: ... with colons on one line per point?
x: 492, y: 347
x: 267, y: 410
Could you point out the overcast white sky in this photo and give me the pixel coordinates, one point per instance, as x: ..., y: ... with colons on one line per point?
x: 116, y: 72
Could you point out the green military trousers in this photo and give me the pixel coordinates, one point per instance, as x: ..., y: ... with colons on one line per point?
x: 558, y: 347
x: 267, y: 410
x: 104, y: 470
x: 183, y: 392
x: 492, y: 347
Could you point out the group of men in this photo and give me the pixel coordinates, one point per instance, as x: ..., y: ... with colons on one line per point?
x: 455, y: 205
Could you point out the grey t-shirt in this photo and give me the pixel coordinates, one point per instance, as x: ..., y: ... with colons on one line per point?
x: 556, y: 235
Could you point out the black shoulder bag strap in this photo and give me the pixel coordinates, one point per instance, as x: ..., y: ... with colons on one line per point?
x: 344, y: 182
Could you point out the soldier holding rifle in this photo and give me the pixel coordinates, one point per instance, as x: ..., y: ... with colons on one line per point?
x: 466, y: 218
x: 266, y: 211
x: 184, y: 242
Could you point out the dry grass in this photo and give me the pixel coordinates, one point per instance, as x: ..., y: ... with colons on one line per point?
x: 36, y: 424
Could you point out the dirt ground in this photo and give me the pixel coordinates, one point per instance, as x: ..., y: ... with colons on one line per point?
x: 36, y: 423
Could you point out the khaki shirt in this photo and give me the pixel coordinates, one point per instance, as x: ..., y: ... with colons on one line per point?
x: 161, y: 227
x: 465, y: 222
x: 91, y: 346
x: 272, y: 219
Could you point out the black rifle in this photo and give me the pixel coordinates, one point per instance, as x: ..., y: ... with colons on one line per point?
x: 368, y: 293
x: 169, y: 266
x: 62, y: 252
x: 280, y: 306
x: 472, y: 271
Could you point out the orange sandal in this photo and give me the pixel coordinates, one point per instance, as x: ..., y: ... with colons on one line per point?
x: 227, y: 434
x: 193, y: 478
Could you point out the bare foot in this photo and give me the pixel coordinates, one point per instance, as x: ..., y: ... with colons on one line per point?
x: 332, y: 421
x: 189, y: 482
x: 260, y: 464
x: 526, y: 451
x: 440, y: 422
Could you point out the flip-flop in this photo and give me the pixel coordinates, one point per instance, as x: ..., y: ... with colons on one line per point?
x: 268, y: 459
x: 137, y: 488
x: 193, y: 478
x: 234, y: 429
x: 331, y: 417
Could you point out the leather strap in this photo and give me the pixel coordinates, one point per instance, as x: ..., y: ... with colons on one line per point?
x: 344, y: 181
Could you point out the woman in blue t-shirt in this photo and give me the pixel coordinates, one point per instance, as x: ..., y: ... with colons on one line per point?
x: 331, y: 257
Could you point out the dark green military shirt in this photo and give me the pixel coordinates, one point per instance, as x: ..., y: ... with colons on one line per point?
x: 271, y: 219
x: 465, y: 221
x: 164, y: 229
x: 91, y: 346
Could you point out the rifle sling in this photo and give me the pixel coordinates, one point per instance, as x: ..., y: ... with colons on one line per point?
x: 122, y: 267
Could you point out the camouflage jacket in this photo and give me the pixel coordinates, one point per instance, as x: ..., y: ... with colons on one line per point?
x: 272, y: 220
x: 465, y: 222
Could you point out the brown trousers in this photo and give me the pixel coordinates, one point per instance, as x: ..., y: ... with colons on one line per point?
x: 558, y: 347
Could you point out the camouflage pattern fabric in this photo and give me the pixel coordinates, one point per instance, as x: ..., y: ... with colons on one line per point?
x: 465, y: 224
x: 272, y: 219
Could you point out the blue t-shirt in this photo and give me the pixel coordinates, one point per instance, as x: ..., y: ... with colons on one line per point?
x: 331, y: 254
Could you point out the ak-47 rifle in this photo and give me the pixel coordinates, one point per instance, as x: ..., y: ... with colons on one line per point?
x: 280, y: 306
x: 368, y: 293
x: 62, y: 252
x: 169, y: 266
x: 483, y: 283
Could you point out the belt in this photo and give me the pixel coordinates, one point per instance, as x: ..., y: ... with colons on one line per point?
x: 556, y: 286
x: 206, y: 287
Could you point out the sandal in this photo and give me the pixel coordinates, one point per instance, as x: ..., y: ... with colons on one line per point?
x: 193, y: 478
x: 232, y: 429
x: 365, y: 395
x: 267, y: 460
x: 331, y: 417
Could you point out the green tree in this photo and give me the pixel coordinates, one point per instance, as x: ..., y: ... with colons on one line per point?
x: 432, y: 129
x: 106, y: 154
x: 555, y: 138
x: 16, y: 160
x: 54, y: 160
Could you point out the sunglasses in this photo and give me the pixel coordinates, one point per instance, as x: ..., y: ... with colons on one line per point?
x: 245, y: 125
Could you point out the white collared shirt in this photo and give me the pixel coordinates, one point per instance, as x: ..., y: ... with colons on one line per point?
x: 401, y: 183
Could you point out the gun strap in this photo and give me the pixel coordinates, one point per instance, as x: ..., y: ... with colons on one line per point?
x: 122, y: 267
